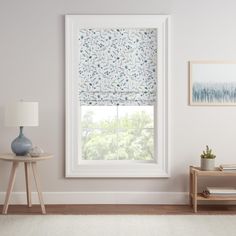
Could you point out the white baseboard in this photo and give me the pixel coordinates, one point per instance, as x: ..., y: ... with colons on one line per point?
x: 101, y: 198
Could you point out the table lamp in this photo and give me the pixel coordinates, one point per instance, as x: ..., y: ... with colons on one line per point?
x: 19, y: 115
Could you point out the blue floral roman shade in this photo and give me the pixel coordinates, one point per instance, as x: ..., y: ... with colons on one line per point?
x: 117, y: 66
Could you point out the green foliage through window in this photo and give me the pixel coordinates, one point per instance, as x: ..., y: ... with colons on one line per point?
x: 126, y: 137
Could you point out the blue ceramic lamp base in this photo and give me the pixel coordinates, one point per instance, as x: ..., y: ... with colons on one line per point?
x: 21, y: 145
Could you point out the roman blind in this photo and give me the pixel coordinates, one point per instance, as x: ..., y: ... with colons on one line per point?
x: 117, y: 66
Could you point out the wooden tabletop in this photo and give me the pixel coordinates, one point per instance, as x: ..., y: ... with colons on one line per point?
x: 216, y: 172
x: 13, y: 157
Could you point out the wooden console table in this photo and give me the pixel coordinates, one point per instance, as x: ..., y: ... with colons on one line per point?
x: 28, y: 162
x: 194, y: 196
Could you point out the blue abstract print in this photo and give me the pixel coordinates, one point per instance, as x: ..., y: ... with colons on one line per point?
x: 214, y: 92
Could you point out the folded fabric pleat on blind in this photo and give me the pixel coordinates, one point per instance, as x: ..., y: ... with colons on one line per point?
x: 117, y: 66
x: 117, y: 98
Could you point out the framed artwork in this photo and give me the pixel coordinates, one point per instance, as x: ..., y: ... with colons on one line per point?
x: 212, y: 83
x: 117, y: 64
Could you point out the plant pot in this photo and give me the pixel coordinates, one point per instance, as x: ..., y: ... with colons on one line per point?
x: 207, y: 164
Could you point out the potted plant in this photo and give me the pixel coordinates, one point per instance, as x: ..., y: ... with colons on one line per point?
x: 207, y: 159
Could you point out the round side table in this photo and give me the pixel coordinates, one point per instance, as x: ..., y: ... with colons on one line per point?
x: 28, y: 162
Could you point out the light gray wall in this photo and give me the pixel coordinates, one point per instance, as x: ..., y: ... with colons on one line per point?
x: 32, y: 57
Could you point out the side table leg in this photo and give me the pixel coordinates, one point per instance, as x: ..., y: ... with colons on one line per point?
x: 10, y: 186
x: 27, y: 181
x: 190, y: 188
x: 36, y: 178
x: 195, y: 192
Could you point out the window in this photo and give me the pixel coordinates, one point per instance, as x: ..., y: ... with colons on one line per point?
x: 117, y: 133
x: 116, y: 96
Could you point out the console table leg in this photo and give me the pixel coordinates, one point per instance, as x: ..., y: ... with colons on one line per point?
x: 10, y: 186
x: 36, y: 178
x: 27, y: 181
x: 195, y: 192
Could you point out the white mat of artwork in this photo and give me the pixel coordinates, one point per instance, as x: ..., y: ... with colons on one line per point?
x: 114, y: 225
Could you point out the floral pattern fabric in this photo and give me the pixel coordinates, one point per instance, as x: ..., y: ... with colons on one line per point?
x: 117, y: 66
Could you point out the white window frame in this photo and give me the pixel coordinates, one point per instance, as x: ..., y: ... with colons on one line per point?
x: 160, y: 168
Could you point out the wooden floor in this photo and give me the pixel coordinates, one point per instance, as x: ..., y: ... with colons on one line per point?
x: 123, y: 209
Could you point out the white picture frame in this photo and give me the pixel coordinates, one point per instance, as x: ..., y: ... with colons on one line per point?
x: 212, y: 83
x: 161, y: 167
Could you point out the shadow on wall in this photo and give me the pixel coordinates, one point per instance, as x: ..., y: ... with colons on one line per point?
x: 6, y: 133
x: 1, y: 116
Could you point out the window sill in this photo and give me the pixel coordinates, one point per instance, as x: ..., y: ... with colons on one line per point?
x: 135, y: 170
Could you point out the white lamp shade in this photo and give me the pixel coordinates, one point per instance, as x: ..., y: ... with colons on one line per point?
x: 22, y: 114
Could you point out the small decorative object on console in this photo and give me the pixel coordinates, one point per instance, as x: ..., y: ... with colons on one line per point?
x: 208, y: 159
x: 228, y: 167
x: 36, y: 151
x: 205, y: 193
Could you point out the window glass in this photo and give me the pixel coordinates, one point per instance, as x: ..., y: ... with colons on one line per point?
x: 117, y: 132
